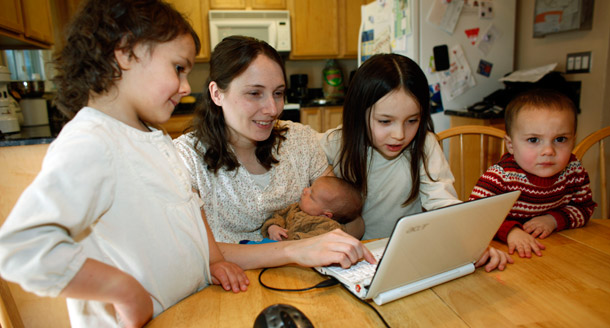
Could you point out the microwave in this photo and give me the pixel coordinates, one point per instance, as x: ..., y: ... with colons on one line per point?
x: 271, y: 26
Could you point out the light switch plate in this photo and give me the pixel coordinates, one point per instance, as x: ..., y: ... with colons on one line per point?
x: 578, y: 62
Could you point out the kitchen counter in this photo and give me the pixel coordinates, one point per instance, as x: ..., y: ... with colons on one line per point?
x: 34, y: 135
x: 488, y: 114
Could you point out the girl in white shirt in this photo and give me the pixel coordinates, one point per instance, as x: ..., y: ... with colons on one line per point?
x: 111, y: 222
x: 386, y: 147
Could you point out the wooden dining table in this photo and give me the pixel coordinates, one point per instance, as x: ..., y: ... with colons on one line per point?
x: 568, y: 286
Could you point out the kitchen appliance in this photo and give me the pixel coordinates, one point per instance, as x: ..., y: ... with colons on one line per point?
x: 34, y: 111
x: 26, y: 89
x: 33, y: 106
x: 271, y: 26
x: 298, y: 92
x: 9, y: 122
x: 480, y: 46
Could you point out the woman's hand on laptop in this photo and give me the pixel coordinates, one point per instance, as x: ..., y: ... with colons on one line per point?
x: 335, y: 247
x: 494, y: 258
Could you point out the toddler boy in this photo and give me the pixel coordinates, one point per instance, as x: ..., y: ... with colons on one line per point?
x: 555, y: 192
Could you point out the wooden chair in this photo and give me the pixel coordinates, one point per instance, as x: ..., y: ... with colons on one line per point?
x: 18, y: 308
x: 597, y: 137
x: 473, y: 148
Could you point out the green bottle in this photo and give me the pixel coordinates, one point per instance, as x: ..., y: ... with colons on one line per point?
x: 332, y: 80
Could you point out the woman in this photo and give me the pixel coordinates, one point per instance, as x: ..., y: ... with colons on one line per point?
x: 246, y: 164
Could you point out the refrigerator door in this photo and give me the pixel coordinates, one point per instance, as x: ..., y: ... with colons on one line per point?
x: 492, y: 49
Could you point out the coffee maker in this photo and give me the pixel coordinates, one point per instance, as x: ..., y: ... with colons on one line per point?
x: 298, y: 92
x: 9, y: 121
x: 33, y: 104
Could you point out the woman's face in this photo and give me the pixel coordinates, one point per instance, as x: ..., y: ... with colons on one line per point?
x: 393, y: 122
x: 252, y: 102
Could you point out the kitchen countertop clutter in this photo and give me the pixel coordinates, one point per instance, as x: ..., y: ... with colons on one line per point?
x: 41, y: 123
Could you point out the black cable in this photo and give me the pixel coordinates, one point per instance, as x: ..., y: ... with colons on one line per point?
x: 374, y: 309
x: 326, y: 283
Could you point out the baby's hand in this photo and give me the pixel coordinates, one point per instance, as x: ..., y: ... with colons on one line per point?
x: 524, y: 243
x: 277, y: 233
x: 229, y: 275
x: 540, y: 226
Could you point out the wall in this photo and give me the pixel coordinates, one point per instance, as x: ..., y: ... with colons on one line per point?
x: 532, y: 52
x: 595, y: 90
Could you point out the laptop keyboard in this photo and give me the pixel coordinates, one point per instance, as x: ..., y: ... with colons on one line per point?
x: 362, y: 272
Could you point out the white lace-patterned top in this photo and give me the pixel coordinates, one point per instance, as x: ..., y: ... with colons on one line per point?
x: 235, y: 205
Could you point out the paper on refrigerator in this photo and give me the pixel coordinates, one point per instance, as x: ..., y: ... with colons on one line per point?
x: 385, y: 27
x: 458, y: 78
x: 445, y: 14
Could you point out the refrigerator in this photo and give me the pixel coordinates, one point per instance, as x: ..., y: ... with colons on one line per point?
x: 477, y: 38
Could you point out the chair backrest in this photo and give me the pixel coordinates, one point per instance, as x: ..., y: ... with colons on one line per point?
x: 600, y: 176
x: 18, y: 167
x: 473, y: 148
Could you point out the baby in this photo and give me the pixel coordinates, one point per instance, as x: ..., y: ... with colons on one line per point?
x: 555, y: 192
x: 325, y: 206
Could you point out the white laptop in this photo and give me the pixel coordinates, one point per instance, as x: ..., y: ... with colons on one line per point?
x: 426, y: 249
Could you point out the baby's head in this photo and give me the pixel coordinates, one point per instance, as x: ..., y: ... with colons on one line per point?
x: 332, y: 197
x: 541, y: 128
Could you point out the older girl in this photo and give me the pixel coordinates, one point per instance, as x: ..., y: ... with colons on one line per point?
x: 387, y: 148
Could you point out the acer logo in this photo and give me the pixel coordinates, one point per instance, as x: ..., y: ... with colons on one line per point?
x: 417, y: 228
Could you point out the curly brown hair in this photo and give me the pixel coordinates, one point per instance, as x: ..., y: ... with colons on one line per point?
x: 231, y: 57
x: 87, y: 63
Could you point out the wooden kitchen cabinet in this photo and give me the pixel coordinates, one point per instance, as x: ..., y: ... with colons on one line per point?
x: 349, y: 22
x: 177, y: 124
x: 322, y: 118
x: 325, y: 28
x: 25, y: 24
x: 315, y: 29
x: 11, y: 17
x: 197, y: 13
x: 247, y: 4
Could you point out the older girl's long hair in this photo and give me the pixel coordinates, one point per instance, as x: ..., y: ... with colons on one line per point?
x: 378, y: 76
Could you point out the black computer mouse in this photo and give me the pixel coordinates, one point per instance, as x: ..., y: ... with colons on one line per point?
x: 282, y: 316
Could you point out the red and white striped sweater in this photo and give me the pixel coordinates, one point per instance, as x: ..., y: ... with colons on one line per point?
x: 566, y: 196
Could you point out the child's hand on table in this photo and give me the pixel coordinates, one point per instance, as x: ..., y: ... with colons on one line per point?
x: 540, y: 226
x: 494, y: 258
x: 229, y: 275
x: 524, y: 243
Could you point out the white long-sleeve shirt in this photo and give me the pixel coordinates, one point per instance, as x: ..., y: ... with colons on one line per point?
x: 389, y: 184
x: 112, y: 193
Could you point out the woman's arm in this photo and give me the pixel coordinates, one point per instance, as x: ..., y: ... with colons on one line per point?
x: 329, y: 248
